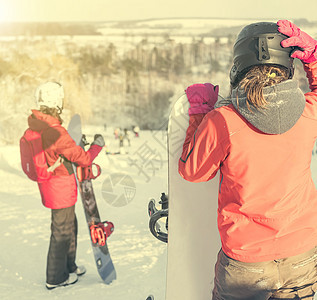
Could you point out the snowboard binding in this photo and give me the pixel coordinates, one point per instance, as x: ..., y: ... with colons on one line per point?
x: 99, y: 232
x: 155, y: 218
x: 84, y: 173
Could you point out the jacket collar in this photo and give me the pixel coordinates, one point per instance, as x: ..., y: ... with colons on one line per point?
x: 39, y: 121
x: 286, y: 103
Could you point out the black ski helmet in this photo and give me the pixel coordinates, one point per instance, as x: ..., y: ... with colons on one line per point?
x: 259, y: 44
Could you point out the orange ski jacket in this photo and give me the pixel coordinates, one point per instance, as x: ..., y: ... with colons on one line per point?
x: 267, y: 202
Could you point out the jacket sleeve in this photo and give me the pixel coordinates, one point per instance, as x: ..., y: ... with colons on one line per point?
x: 64, y: 145
x: 202, y: 150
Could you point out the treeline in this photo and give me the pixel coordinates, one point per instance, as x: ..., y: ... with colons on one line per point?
x: 108, y: 83
x: 165, y: 59
x: 143, y: 80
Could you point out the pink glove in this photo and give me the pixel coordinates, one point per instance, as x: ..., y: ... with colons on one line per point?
x: 202, y: 98
x: 300, y: 39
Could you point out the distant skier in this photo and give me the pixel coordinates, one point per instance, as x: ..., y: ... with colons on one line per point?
x: 136, y: 131
x: 127, y: 136
x: 116, y: 133
x: 121, y: 137
x: 261, y: 141
x: 60, y: 192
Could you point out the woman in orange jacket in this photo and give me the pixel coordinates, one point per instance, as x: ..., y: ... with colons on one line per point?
x: 60, y: 192
x: 261, y: 141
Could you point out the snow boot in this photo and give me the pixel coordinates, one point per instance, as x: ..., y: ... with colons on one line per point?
x: 81, y: 270
x: 71, y: 280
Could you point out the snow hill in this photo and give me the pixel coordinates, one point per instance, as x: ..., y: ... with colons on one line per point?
x: 139, y: 258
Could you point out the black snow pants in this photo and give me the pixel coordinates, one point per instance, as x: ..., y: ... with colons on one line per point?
x: 63, y: 245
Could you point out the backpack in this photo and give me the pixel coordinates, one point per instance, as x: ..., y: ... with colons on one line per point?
x: 33, y: 159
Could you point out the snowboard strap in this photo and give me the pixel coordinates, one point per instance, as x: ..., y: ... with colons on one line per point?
x: 84, y: 173
x: 99, y: 232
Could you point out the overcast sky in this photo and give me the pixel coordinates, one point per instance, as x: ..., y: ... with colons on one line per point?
x: 107, y: 10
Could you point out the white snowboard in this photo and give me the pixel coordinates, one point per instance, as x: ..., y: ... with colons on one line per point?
x: 193, y: 238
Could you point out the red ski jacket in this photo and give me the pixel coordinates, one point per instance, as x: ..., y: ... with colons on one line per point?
x: 60, y: 191
x: 267, y: 202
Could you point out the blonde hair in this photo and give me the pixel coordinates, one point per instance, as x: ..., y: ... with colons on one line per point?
x: 256, y: 79
x: 52, y: 111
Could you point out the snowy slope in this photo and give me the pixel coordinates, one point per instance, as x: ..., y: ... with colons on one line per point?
x: 25, y: 229
x: 139, y: 258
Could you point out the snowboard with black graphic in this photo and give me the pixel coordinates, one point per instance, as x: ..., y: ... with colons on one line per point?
x: 99, y: 231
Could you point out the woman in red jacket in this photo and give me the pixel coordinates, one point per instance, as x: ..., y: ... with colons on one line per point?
x: 60, y: 192
x: 261, y: 141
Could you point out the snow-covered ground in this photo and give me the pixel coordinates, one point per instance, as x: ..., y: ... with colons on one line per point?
x: 139, y: 258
